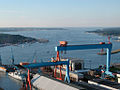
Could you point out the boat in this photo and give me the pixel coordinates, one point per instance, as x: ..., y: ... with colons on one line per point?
x: 3, y: 69
x: 16, y: 75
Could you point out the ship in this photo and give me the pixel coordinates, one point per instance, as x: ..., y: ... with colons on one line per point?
x: 17, y: 75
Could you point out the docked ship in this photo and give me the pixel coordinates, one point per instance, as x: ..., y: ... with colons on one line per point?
x: 19, y: 73
x: 16, y: 75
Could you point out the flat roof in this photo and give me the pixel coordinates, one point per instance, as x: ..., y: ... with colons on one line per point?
x: 49, y: 83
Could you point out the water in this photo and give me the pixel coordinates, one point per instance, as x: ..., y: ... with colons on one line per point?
x: 8, y: 83
x: 44, y: 51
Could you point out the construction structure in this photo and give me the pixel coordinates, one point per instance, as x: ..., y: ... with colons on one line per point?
x: 58, y: 63
x: 64, y: 47
x: 75, y: 66
x: 43, y: 64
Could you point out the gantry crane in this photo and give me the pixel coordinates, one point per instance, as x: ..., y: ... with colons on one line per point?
x: 64, y: 47
x: 43, y: 64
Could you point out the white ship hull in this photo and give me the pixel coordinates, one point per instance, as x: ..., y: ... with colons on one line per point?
x: 15, y: 75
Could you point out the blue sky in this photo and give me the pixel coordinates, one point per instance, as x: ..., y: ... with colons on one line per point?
x: 59, y: 13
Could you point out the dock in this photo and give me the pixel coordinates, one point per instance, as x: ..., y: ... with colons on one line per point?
x: 112, y: 52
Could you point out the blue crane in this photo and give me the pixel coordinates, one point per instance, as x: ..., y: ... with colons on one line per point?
x: 43, y: 64
x: 64, y: 47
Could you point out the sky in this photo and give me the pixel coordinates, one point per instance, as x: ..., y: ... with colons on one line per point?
x: 59, y: 13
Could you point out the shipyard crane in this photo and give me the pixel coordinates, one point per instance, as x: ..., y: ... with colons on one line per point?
x: 64, y: 47
x: 43, y: 64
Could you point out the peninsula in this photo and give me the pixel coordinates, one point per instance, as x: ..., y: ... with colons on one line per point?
x: 8, y: 39
x: 107, y: 31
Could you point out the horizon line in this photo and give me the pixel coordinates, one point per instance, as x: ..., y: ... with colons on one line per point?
x: 60, y: 27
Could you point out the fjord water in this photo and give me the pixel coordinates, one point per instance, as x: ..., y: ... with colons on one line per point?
x: 44, y: 51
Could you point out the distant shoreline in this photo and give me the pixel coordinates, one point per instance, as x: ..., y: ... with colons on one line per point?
x: 8, y: 39
x: 107, y: 31
x: 16, y: 29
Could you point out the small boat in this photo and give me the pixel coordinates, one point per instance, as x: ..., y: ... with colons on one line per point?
x: 3, y: 69
x: 16, y: 75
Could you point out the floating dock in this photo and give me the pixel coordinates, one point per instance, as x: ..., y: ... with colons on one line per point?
x: 112, y: 52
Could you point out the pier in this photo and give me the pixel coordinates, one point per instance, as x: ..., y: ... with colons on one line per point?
x: 112, y: 52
